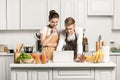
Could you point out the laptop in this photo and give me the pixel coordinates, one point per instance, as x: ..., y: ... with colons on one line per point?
x: 63, y: 56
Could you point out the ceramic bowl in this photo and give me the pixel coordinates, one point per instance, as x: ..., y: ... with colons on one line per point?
x: 28, y: 61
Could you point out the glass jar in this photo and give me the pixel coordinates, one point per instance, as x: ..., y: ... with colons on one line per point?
x: 114, y: 46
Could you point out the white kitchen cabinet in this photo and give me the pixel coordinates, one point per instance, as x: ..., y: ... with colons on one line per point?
x: 81, y: 13
x: 116, y: 59
x: 9, y: 14
x: 8, y: 61
x: 54, y: 5
x: 2, y: 14
x: 67, y: 10
x: 33, y: 14
x: 34, y: 74
x: 2, y: 68
x: 13, y: 14
x: 20, y: 75
x: 42, y: 74
x: 116, y: 14
x: 76, y: 9
x: 73, y: 74
x: 63, y: 71
x: 5, y: 61
x: 118, y: 67
x: 100, y: 7
x: 104, y: 74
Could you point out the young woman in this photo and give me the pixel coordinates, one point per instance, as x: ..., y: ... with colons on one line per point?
x: 49, y: 34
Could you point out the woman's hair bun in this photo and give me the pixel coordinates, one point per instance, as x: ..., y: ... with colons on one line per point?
x: 52, y: 12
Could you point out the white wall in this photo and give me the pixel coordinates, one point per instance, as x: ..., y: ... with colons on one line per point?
x: 11, y: 38
x: 95, y: 26
x: 101, y: 25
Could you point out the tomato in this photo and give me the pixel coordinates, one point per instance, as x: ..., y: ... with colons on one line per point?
x: 33, y: 55
x: 41, y: 57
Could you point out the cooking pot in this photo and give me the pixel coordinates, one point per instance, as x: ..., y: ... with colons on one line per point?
x: 28, y: 49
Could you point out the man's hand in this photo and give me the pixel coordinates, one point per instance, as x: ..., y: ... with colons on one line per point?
x: 77, y: 59
x: 80, y: 58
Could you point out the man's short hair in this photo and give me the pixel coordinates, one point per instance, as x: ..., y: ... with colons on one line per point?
x: 69, y: 21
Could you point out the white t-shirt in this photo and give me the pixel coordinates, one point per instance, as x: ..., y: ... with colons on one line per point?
x: 79, y: 34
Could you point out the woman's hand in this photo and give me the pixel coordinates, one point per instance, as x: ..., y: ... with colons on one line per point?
x: 53, y: 31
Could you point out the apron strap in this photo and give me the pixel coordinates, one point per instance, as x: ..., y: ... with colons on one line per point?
x: 47, y: 32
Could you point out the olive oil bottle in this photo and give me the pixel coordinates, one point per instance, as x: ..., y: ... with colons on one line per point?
x: 85, y: 43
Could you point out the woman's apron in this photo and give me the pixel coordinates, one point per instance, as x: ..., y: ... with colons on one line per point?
x: 49, y: 50
x: 71, y: 45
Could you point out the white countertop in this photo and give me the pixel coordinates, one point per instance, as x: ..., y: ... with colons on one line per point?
x: 118, y: 54
x: 4, y: 54
x: 74, y: 64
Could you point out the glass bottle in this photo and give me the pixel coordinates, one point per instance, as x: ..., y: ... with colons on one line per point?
x: 37, y: 58
x: 85, y: 43
x: 44, y: 58
x: 97, y: 45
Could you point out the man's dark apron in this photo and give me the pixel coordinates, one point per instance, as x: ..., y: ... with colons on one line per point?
x: 71, y: 45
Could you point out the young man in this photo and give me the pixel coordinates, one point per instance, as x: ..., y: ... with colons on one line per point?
x: 71, y: 38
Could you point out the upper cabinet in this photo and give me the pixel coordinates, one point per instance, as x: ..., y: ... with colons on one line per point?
x: 2, y: 14
x: 9, y: 14
x: 81, y: 13
x: 116, y: 15
x: 54, y: 5
x: 76, y: 9
x: 100, y: 7
x: 13, y: 14
x: 67, y: 10
x: 33, y: 14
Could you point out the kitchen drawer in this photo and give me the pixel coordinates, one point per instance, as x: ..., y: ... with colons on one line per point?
x: 73, y: 74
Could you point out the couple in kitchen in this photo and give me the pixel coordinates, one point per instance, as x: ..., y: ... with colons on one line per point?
x: 68, y: 39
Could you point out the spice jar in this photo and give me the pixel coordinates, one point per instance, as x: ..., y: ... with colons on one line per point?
x: 103, y: 43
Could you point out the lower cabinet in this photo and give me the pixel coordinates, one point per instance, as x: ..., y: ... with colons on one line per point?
x: 73, y: 74
x: 118, y: 67
x: 2, y: 68
x: 116, y: 59
x: 8, y: 61
x: 43, y: 74
x: 104, y: 74
x: 35, y: 74
x: 5, y: 61
x: 65, y: 73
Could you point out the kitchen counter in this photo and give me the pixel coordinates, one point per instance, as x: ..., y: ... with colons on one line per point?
x: 111, y: 54
x: 63, y: 71
x: 4, y: 53
x: 74, y: 64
